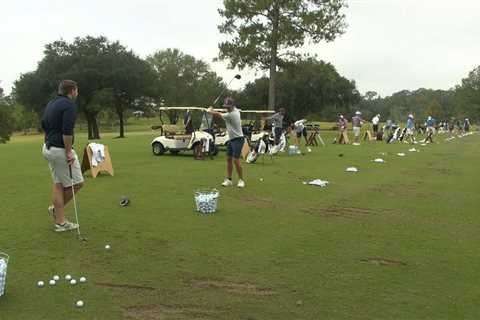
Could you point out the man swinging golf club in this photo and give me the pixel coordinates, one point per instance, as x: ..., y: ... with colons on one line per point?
x: 58, y: 122
x: 235, y: 142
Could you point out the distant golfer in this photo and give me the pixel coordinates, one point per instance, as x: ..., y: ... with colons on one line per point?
x: 375, y: 121
x: 410, y: 130
x: 357, y: 122
x: 235, y: 142
x: 277, y: 119
x: 430, y: 124
x: 58, y: 122
x: 300, y: 130
x: 466, y: 125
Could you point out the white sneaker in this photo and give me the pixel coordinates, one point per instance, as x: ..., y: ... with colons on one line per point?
x: 66, y: 226
x: 227, y: 183
x: 241, y: 184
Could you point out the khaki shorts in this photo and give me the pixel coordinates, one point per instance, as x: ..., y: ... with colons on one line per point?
x: 57, y: 161
x: 356, y: 131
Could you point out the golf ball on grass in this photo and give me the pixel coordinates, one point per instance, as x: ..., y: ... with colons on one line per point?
x: 52, y: 282
x: 40, y: 284
x: 68, y: 277
x: 80, y: 303
x: 83, y: 279
x: 56, y: 278
x: 73, y: 282
x: 107, y: 247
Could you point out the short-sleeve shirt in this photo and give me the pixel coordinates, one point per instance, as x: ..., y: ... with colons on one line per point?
x: 357, y: 121
x: 375, y: 120
x: 410, y: 123
x: 277, y: 120
x: 300, y: 125
x: 58, y: 120
x: 234, y: 124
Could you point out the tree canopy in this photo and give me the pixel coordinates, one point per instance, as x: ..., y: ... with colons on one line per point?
x: 266, y: 33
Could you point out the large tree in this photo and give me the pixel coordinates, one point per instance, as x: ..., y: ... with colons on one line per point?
x: 306, y: 87
x: 468, y: 94
x: 184, y: 80
x: 6, y: 118
x: 96, y: 64
x: 266, y: 33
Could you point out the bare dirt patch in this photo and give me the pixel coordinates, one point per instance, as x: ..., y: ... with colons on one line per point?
x: 123, y: 286
x: 239, y: 288
x: 383, y: 262
x: 167, y: 312
x: 339, y: 211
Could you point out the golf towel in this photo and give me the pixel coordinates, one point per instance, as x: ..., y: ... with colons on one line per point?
x: 98, y: 153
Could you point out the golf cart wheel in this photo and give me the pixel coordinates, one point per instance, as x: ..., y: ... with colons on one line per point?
x: 174, y: 152
x: 158, y: 149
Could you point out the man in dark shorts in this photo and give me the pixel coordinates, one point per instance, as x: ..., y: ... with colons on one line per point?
x: 58, y: 122
x: 235, y: 143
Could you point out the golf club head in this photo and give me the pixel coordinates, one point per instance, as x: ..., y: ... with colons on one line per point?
x: 83, y: 239
x: 238, y: 77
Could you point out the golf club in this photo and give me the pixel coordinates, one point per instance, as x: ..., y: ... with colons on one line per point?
x: 237, y: 76
x: 79, y: 235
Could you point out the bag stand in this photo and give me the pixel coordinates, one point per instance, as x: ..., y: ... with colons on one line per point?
x: 104, y: 166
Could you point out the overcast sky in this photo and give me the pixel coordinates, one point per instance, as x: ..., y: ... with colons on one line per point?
x: 389, y: 45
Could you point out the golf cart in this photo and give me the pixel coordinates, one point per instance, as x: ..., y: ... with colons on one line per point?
x: 252, y: 133
x: 179, y: 138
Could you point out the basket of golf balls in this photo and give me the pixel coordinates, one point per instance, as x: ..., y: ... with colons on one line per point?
x: 3, y: 272
x: 206, y: 200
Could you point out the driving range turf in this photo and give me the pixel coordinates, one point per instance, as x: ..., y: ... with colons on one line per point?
x: 397, y: 240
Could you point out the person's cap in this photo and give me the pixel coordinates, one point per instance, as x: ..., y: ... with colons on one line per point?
x: 429, y: 117
x: 341, y: 116
x: 378, y: 115
x: 410, y: 116
x: 228, y: 102
x: 358, y: 113
x: 124, y: 201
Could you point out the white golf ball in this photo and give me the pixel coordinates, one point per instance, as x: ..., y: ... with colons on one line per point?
x: 107, y: 247
x: 68, y: 277
x: 261, y: 179
x: 52, y: 282
x: 83, y: 279
x: 40, y: 284
x: 73, y: 282
x: 80, y: 303
x: 56, y: 278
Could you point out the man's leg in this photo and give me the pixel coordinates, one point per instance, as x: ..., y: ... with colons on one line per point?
x: 67, y: 193
x: 58, y: 203
x: 229, y: 167
x: 236, y: 161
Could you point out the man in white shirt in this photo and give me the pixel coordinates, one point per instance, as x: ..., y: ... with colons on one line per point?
x: 235, y: 143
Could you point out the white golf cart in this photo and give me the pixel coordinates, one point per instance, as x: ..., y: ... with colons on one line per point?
x: 252, y: 134
x: 179, y: 138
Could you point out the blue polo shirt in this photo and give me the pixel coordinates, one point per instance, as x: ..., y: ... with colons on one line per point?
x: 58, y: 120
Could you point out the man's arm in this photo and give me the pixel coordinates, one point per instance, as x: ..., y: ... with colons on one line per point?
x: 68, y: 142
x: 214, y: 113
x: 68, y: 122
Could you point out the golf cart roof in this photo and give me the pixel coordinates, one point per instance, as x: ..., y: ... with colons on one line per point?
x: 216, y: 109
x: 257, y: 111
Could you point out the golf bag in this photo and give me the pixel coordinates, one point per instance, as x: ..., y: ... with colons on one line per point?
x: 261, y: 147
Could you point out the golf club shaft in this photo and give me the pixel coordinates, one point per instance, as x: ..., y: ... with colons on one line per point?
x: 74, y: 202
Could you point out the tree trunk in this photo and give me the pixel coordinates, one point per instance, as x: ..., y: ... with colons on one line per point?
x: 96, y: 132
x: 273, y: 58
x: 93, y: 132
x: 120, y: 117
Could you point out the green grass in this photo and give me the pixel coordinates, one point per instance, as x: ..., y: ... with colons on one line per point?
x: 275, y: 250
